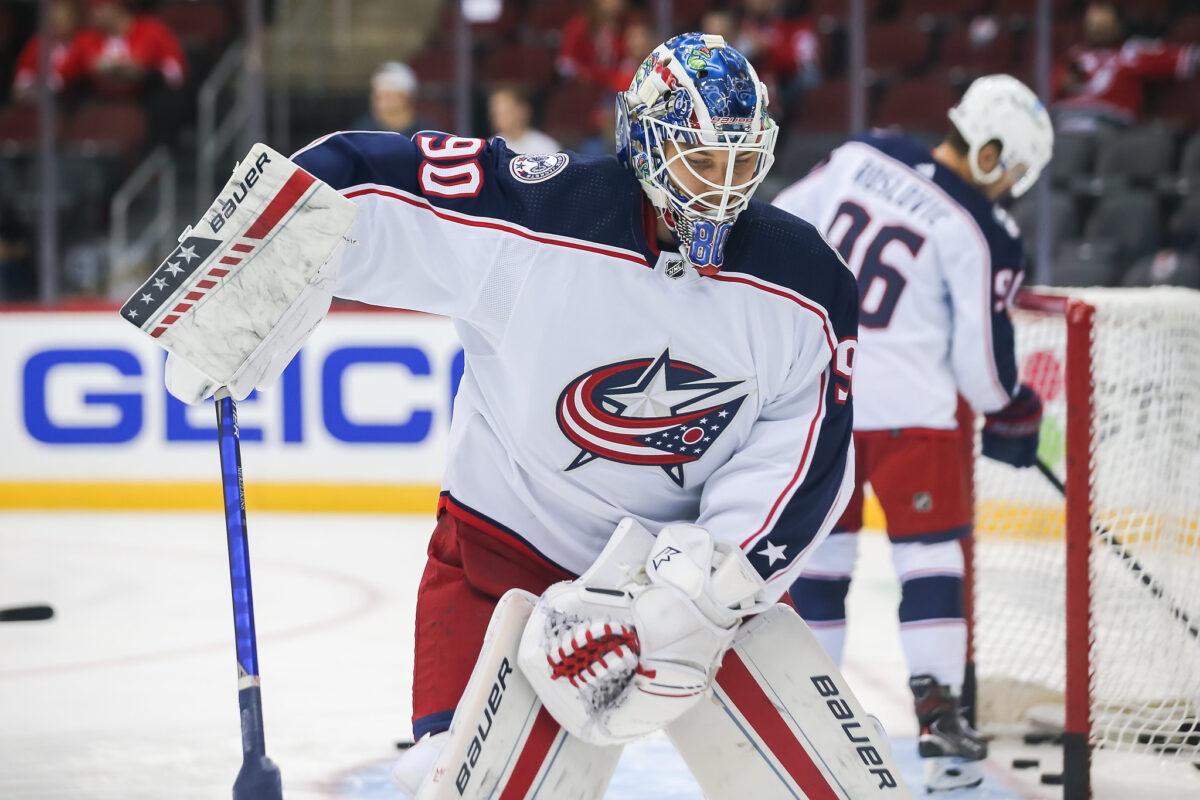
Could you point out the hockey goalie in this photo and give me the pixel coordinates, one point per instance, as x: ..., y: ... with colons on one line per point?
x: 652, y: 431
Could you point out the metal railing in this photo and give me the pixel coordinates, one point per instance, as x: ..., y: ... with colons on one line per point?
x: 215, y: 135
x: 157, y: 171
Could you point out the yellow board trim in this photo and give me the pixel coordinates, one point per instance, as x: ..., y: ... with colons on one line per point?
x: 206, y: 496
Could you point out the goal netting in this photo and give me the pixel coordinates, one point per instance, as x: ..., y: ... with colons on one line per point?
x: 1131, y: 397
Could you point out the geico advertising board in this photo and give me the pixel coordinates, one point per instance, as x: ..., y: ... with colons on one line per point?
x: 367, y: 400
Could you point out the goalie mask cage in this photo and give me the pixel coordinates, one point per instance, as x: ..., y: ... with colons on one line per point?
x: 1085, y: 610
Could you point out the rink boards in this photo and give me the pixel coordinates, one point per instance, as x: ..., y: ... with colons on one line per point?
x: 358, y: 421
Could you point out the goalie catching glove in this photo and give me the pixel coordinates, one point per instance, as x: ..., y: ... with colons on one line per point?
x: 613, y: 663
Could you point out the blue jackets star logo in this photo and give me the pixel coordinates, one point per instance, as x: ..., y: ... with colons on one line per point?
x: 648, y: 412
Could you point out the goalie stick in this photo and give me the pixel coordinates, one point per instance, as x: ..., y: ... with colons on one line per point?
x: 232, y: 304
x: 1135, y: 567
x: 259, y: 778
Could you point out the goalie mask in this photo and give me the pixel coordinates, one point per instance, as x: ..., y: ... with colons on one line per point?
x: 1001, y: 108
x: 694, y: 129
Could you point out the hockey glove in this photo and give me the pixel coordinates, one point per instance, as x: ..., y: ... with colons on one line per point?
x: 1011, y: 434
x: 612, y: 666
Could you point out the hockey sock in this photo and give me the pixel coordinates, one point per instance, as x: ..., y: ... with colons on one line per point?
x: 819, y: 594
x: 933, y: 631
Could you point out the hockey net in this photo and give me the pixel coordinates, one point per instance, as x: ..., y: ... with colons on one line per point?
x: 1131, y: 398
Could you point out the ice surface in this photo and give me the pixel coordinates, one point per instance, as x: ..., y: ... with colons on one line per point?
x: 130, y: 691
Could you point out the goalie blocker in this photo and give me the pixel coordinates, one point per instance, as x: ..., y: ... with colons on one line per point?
x: 780, y: 721
x: 248, y: 281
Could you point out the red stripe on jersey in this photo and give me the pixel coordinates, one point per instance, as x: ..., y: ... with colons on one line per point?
x: 481, y: 223
x: 230, y: 260
x: 193, y: 295
x: 182, y: 307
x: 217, y: 272
x: 243, y: 248
x: 533, y: 756
x: 158, y: 332
x: 167, y: 320
x: 812, y: 431
x: 206, y: 284
x: 743, y: 690
x: 292, y: 190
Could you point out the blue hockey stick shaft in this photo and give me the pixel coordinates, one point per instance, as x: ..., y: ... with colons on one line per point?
x: 259, y: 778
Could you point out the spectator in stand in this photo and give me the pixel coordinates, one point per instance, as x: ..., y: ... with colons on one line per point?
x: 638, y: 38
x: 136, y: 57
x: 66, y: 29
x: 393, y: 102
x: 782, y: 45
x: 510, y: 113
x: 137, y: 53
x: 1099, y: 83
x: 593, y: 44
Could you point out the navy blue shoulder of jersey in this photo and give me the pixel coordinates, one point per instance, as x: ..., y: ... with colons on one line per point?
x: 1004, y: 244
x: 775, y: 246
x: 591, y: 198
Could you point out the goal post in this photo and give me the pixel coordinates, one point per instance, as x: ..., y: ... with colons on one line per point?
x: 1083, y: 607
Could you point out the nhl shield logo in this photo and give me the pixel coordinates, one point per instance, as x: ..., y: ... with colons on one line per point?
x: 535, y: 168
x: 654, y: 412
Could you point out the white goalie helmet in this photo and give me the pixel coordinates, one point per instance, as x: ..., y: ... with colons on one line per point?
x: 1001, y: 108
x: 696, y: 99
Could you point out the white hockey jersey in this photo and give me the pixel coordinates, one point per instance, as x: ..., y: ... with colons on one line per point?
x: 604, y: 378
x: 937, y: 265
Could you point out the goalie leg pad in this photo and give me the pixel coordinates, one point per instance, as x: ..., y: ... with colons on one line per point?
x: 502, y: 743
x: 782, y: 722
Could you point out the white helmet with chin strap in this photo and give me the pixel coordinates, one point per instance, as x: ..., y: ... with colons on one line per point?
x: 1001, y: 108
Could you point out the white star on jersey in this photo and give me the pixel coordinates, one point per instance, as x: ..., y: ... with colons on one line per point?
x: 773, y: 552
x: 188, y: 253
x: 649, y: 396
x: 174, y: 268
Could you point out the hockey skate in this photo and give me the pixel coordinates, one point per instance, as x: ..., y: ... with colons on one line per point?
x: 951, y: 748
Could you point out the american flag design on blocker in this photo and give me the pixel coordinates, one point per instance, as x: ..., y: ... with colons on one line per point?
x: 237, y: 269
x: 171, y: 290
x: 648, y: 412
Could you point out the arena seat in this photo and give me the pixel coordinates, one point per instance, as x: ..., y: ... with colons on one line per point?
x: 1064, y: 221
x: 1073, y: 156
x: 918, y: 104
x: 115, y: 127
x: 1084, y: 264
x: 896, y: 47
x: 1128, y: 219
x: 1136, y: 157
x: 826, y: 108
x: 571, y: 109
x: 531, y: 66
x: 198, y: 24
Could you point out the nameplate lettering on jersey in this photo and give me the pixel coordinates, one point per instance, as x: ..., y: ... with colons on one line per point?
x: 901, y: 190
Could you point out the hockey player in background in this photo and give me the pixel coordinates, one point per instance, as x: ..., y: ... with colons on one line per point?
x: 642, y: 340
x: 938, y: 263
